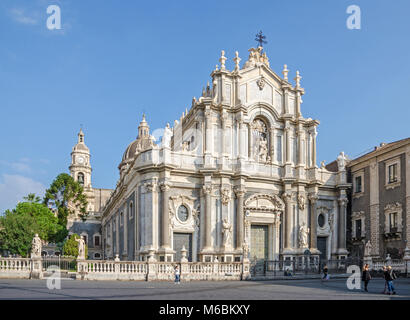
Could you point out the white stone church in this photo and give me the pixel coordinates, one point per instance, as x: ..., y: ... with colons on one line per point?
x: 235, y: 177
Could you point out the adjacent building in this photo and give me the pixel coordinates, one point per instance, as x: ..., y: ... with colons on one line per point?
x: 380, y: 201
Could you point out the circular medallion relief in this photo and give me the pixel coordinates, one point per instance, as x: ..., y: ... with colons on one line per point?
x: 182, y: 213
x: 321, y: 220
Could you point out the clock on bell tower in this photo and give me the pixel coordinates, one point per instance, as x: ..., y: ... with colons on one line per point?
x: 80, y: 168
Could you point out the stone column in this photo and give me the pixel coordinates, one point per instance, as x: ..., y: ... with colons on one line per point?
x: 223, y: 128
x: 125, y: 226
x: 166, y: 239
x: 207, y: 230
x: 300, y: 151
x: 208, y: 132
x: 287, y: 197
x: 112, y: 237
x: 250, y: 151
x: 287, y: 142
x: 241, y: 146
x: 152, y: 210
x: 117, y: 233
x: 342, y: 224
x: 240, y: 192
x: 272, y: 143
x: 314, y: 134
x: 313, y: 221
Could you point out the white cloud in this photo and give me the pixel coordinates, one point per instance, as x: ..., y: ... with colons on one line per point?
x: 19, y: 166
x: 20, y: 15
x: 14, y: 187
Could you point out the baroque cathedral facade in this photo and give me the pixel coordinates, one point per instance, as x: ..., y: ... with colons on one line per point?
x: 235, y: 177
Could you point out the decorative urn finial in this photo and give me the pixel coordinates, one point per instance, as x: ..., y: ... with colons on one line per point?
x: 222, y: 60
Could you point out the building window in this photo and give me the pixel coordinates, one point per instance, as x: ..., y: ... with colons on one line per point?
x: 131, y: 213
x: 97, y: 256
x: 393, y: 222
x: 392, y: 173
x: 97, y: 241
x: 182, y: 213
x: 358, y: 184
x: 358, y: 228
x: 80, y: 178
x: 121, y: 218
x: 321, y: 220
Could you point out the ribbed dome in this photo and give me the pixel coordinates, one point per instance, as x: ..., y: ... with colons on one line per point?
x: 130, y: 151
x: 81, y: 147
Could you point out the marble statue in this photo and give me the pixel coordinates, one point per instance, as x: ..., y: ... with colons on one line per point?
x: 166, y: 138
x: 263, y: 150
x: 301, y: 202
x: 341, y: 161
x: 303, y: 236
x: 36, y: 246
x: 226, y: 230
x: 367, y: 249
x: 81, y: 248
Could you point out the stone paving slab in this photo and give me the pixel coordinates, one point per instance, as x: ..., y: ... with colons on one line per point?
x: 308, y: 289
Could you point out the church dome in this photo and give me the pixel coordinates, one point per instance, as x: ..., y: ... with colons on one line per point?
x: 142, y: 143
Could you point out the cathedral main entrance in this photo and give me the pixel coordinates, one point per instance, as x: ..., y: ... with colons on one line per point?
x: 181, y: 240
x: 259, y: 242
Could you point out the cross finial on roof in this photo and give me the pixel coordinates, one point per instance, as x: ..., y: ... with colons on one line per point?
x: 260, y: 39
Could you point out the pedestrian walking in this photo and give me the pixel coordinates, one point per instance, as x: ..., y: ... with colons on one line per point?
x: 390, y: 277
x: 177, y: 275
x: 385, y: 279
x: 366, y: 276
x: 325, y: 273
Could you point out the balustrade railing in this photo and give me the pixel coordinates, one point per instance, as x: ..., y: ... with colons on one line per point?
x: 15, y: 264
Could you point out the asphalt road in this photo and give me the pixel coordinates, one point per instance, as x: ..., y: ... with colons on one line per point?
x: 309, y: 289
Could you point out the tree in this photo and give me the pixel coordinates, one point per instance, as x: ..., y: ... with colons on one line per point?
x: 18, y: 226
x: 67, y: 196
x: 17, y: 232
x: 70, y: 246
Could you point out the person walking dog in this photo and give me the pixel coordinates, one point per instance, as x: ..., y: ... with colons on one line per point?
x: 366, y: 276
x: 390, y: 276
x: 177, y: 275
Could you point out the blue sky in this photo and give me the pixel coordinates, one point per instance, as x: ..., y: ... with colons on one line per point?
x: 113, y: 60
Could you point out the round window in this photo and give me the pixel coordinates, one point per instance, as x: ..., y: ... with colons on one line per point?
x: 321, y: 220
x: 183, y: 213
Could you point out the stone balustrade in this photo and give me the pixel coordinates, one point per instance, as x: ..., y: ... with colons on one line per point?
x: 15, y: 268
x: 131, y: 270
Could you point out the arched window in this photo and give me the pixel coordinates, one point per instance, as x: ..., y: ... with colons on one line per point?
x: 97, y: 256
x: 80, y: 178
x: 260, y: 140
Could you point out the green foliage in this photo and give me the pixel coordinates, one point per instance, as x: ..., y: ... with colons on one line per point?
x: 16, y: 232
x: 66, y: 195
x: 18, y: 226
x: 70, y: 246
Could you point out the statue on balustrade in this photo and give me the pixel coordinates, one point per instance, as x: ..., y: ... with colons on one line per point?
x: 36, y: 246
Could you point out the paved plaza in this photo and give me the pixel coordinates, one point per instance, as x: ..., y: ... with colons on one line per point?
x: 309, y: 289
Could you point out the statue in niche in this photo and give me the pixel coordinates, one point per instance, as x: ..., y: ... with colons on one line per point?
x: 166, y: 138
x: 368, y: 249
x: 263, y: 150
x: 226, y: 231
x: 303, y: 236
x: 260, y: 141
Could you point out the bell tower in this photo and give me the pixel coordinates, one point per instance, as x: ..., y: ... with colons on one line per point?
x: 80, y: 168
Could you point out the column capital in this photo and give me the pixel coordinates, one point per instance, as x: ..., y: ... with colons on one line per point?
x: 239, y: 191
x: 343, y: 201
x: 313, y: 197
x: 206, y: 189
x: 165, y: 186
x: 287, y: 197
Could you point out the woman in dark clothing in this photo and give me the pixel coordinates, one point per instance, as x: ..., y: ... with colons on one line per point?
x: 325, y: 271
x: 366, y: 276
